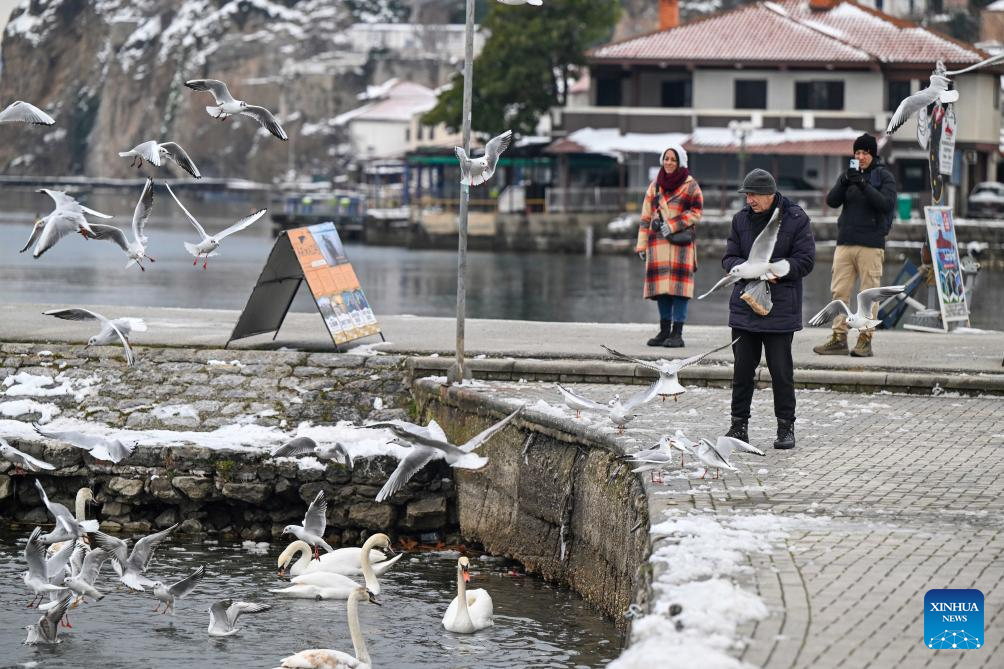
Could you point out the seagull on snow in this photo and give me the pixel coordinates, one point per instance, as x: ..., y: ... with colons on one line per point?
x: 227, y: 106
x: 717, y: 455
x: 476, y: 171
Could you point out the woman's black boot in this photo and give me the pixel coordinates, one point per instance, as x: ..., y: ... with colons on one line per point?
x: 675, y: 339
x: 660, y: 339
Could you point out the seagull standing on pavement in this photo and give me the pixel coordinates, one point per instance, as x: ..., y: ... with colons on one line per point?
x: 861, y: 319
x: 669, y: 383
x: 23, y: 112
x: 119, y: 329
x: 717, y: 455
x: 429, y: 442
x: 758, y: 265
x: 476, y: 171
x: 618, y: 412
x: 314, y: 523
x: 156, y: 153
x: 227, y: 106
x: 136, y: 247
x: 207, y: 245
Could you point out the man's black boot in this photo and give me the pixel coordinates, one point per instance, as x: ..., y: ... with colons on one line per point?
x: 785, y: 434
x: 739, y: 429
x: 664, y: 330
x: 675, y: 339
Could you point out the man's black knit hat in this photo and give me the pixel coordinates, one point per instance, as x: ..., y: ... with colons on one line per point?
x: 759, y: 182
x: 866, y: 143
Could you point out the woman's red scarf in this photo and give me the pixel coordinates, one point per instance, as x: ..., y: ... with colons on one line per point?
x: 668, y: 183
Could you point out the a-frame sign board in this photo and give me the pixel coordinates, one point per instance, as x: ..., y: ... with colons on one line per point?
x: 313, y: 254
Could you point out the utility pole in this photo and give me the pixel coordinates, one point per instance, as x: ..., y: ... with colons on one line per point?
x: 456, y: 372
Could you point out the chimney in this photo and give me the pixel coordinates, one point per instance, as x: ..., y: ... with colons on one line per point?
x: 669, y: 14
x: 823, y: 5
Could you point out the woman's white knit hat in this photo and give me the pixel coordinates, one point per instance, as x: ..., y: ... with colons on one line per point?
x: 681, y: 155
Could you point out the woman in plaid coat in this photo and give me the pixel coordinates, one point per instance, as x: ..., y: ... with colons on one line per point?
x: 673, y: 204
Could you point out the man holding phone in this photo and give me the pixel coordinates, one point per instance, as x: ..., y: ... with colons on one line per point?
x: 867, y: 193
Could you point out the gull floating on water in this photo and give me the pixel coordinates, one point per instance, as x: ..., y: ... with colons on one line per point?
x: 758, y: 264
x: 227, y: 106
x: 223, y: 615
x: 68, y: 217
x: 861, y: 319
x: 429, y: 442
x: 68, y: 528
x: 155, y: 153
x: 132, y: 565
x: 314, y: 523
x: 476, y: 171
x: 100, y: 448
x: 46, y: 630
x: 22, y: 460
x: 669, y: 383
x: 207, y: 245
x: 307, y: 446
x: 167, y: 594
x: 617, y: 411
x: 136, y: 247
x: 717, y: 455
x: 120, y: 328
x: 24, y: 112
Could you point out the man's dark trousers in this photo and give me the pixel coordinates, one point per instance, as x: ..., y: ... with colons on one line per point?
x: 747, y: 351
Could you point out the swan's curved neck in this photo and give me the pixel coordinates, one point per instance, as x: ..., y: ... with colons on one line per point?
x: 358, y: 642
x: 83, y: 495
x: 369, y: 576
x: 463, y: 613
x: 297, y: 547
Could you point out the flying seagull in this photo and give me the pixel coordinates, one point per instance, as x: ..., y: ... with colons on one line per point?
x: 66, y: 218
x: 156, y: 152
x: 669, y: 384
x: 476, y: 171
x: 758, y: 264
x: 167, y: 594
x: 862, y: 318
x: 618, y: 412
x: 314, y: 523
x: 717, y: 455
x: 22, y: 460
x: 307, y: 446
x: 133, y: 564
x: 82, y: 582
x: 227, y: 106
x: 67, y: 526
x: 100, y: 448
x: 223, y: 616
x: 38, y: 575
x: 23, y: 112
x: 120, y: 328
x: 429, y: 442
x: 207, y: 245
x: 136, y: 247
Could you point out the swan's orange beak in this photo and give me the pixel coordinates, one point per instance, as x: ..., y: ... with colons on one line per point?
x: 467, y: 576
x: 282, y: 572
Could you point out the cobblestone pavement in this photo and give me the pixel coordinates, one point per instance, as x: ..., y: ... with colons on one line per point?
x: 907, y: 493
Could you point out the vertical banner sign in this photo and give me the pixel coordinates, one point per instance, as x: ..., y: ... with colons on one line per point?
x: 946, y: 154
x: 947, y: 268
x: 333, y: 282
x: 936, y: 115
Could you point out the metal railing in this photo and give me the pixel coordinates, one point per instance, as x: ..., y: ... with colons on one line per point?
x: 720, y: 200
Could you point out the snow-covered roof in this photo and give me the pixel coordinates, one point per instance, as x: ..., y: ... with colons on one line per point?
x: 790, y: 32
x: 610, y: 141
x: 400, y: 101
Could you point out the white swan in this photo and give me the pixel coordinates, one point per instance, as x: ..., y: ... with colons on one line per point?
x: 84, y: 496
x: 324, y: 658
x: 341, y: 561
x: 469, y: 611
x: 329, y: 585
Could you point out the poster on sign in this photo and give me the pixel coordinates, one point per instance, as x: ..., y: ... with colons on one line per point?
x: 946, y: 152
x: 947, y: 267
x: 333, y: 282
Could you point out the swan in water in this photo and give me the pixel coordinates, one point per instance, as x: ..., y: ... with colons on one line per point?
x: 324, y: 658
x: 342, y: 561
x: 329, y: 585
x: 469, y: 611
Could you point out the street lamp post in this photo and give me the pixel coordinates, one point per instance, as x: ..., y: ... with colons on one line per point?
x: 456, y: 372
x: 741, y: 130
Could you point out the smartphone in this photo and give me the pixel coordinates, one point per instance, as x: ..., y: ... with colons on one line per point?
x: 855, y: 164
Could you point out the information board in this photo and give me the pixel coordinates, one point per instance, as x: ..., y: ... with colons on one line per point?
x: 947, y: 266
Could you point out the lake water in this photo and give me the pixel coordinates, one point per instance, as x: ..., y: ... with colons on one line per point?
x: 536, y: 624
x: 396, y: 280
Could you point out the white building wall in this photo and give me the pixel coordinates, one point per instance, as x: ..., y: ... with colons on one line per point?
x: 715, y: 89
x: 378, y: 139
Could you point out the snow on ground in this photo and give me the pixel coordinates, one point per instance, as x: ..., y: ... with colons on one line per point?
x: 25, y: 384
x: 700, y: 556
x: 21, y: 407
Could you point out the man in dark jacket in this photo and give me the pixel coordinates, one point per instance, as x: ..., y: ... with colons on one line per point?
x: 771, y: 333
x: 868, y: 197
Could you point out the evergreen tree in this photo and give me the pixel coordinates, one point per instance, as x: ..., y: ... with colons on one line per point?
x: 522, y: 71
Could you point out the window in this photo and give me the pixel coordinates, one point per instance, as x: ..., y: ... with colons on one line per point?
x: 750, y: 94
x: 819, y: 95
x: 608, y: 92
x: 676, y: 93
x: 895, y: 92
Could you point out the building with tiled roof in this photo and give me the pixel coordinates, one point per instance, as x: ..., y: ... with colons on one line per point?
x: 809, y: 74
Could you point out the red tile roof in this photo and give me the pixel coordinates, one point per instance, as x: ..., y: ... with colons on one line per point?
x: 788, y: 32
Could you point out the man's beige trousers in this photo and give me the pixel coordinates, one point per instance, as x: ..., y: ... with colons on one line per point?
x: 849, y: 263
